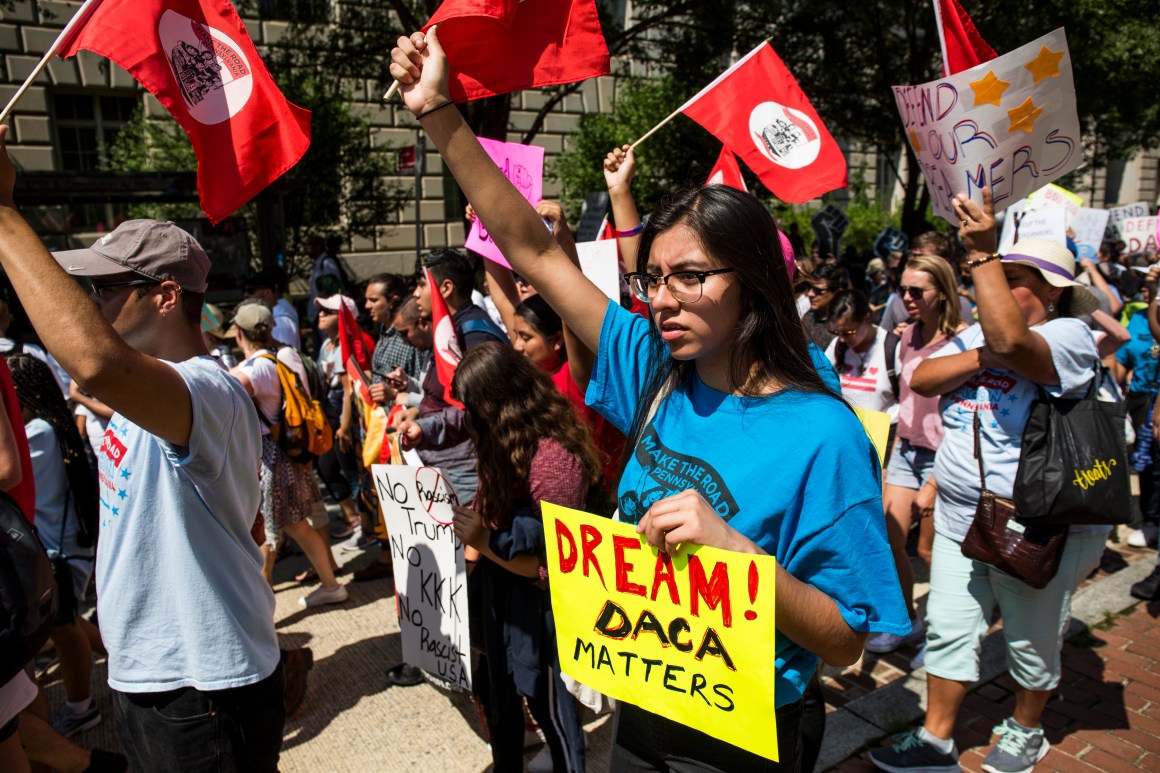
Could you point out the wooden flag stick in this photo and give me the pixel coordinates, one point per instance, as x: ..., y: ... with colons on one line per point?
x: 391, y: 91
x: 654, y: 129
x: 79, y: 17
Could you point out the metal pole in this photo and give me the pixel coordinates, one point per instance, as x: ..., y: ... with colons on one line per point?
x: 420, y: 162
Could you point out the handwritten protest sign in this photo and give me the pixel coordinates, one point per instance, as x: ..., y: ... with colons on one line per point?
x: 599, y: 262
x: 1139, y: 234
x: 1052, y: 196
x: 1019, y: 223
x: 1117, y: 215
x: 1009, y: 123
x: 523, y: 165
x: 430, y: 575
x: 689, y: 636
x: 1088, y: 229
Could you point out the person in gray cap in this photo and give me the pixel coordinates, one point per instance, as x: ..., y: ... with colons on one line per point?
x: 185, y: 614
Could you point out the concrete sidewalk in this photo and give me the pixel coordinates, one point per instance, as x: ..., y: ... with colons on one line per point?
x: 1107, y: 715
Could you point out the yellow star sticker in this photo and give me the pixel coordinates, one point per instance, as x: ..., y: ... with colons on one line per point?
x: 1045, y: 64
x: 914, y: 143
x: 989, y: 89
x: 1023, y: 117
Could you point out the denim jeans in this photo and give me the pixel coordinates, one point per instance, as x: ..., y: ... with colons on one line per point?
x: 234, y: 731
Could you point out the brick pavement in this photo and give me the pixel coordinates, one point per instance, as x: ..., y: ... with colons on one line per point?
x: 1105, y: 715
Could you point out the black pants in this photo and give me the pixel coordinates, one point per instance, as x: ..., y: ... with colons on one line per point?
x: 1138, y: 404
x: 643, y: 741
x: 238, y: 730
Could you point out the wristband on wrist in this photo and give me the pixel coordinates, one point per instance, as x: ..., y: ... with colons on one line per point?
x: 973, y: 264
x: 630, y: 231
x: 431, y: 110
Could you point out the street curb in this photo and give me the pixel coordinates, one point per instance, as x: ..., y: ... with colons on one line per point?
x: 896, y: 706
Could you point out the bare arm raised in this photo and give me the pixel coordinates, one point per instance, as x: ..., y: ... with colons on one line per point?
x: 420, y: 66
x: 149, y: 392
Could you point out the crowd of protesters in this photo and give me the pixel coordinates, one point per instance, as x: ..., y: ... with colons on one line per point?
x: 141, y: 434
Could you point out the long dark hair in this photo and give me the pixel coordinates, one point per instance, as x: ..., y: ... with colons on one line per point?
x: 40, y: 396
x: 511, y: 406
x: 769, y: 341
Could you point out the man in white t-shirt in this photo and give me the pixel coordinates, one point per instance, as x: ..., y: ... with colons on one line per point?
x: 185, y: 614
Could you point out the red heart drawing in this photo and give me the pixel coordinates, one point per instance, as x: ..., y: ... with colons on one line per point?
x: 873, y: 371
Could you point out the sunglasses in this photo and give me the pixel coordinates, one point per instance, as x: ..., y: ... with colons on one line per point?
x: 915, y: 293
x: 816, y: 290
x: 105, y: 289
x: 844, y: 333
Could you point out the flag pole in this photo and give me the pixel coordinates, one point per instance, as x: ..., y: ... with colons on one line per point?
x: 78, y: 18
x: 942, y: 38
x: 656, y: 128
x: 391, y: 91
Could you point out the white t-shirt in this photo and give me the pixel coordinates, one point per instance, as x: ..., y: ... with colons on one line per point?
x: 263, y: 375
x: 181, y: 596
x: 865, y: 383
x: 1003, y: 399
x: 94, y: 427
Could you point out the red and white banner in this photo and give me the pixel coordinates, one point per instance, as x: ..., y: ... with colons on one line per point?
x: 726, y: 171
x: 759, y: 112
x: 499, y: 46
x: 447, y: 352
x: 197, y: 58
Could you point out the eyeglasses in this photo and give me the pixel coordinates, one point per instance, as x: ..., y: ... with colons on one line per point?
x: 915, y: 293
x: 822, y: 290
x: 105, y: 289
x: 684, y: 286
x: 326, y: 311
x: 844, y: 333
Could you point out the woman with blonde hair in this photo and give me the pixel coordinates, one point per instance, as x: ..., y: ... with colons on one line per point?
x: 931, y: 296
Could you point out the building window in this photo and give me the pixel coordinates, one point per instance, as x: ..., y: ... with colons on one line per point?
x: 86, y: 125
x: 301, y: 11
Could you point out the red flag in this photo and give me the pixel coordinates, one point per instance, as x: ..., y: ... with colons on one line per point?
x: 962, y: 45
x: 196, y: 57
x: 759, y: 112
x: 446, y: 345
x: 355, y: 348
x: 497, y: 46
x: 726, y: 171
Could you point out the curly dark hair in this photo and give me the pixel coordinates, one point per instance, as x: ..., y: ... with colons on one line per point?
x: 511, y: 406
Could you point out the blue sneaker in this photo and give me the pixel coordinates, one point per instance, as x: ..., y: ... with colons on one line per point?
x: 1017, y: 750
x: 68, y: 723
x: 911, y: 753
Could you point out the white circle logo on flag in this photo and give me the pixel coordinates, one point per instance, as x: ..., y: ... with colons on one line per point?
x: 785, y: 136
x: 446, y: 345
x: 210, y: 69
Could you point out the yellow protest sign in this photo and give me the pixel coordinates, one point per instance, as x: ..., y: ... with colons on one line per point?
x: 877, y: 426
x: 689, y: 636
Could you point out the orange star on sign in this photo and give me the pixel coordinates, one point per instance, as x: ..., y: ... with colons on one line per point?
x: 1023, y: 117
x: 1045, y: 64
x: 914, y: 143
x: 989, y: 89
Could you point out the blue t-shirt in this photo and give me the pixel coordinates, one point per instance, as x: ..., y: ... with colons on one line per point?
x: 1003, y: 399
x: 180, y: 591
x: 1141, y: 355
x: 794, y: 472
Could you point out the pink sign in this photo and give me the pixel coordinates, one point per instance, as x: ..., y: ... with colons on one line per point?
x: 523, y: 165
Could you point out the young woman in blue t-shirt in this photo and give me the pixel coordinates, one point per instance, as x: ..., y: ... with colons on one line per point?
x: 761, y: 456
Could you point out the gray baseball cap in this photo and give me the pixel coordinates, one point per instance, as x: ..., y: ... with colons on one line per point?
x: 151, y: 248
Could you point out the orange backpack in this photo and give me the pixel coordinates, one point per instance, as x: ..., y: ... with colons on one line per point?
x: 302, y: 429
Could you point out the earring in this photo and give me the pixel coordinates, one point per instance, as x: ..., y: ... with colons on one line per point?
x: 1051, y: 308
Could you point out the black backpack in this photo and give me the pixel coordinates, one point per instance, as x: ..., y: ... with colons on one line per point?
x: 27, y: 590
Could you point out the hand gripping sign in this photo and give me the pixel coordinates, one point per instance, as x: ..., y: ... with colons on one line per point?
x: 430, y: 574
x: 688, y: 635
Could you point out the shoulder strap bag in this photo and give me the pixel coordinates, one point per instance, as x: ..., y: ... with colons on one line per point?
x: 1029, y: 552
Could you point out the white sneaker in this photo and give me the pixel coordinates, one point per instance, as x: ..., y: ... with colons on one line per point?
x: 320, y: 596
x: 1144, y: 537
x: 881, y: 643
x: 542, y: 762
